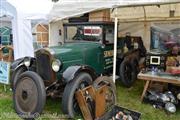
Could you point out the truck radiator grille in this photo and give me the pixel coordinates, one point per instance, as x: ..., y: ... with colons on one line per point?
x: 44, y: 66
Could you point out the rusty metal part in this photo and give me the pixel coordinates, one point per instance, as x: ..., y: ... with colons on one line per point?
x: 26, y: 95
x: 110, y: 96
x: 81, y: 99
x: 41, y: 56
x: 55, y: 90
x: 96, y: 107
x: 101, y: 96
x: 100, y: 101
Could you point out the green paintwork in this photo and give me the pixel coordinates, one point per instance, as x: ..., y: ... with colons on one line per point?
x: 86, y: 51
x: 83, y: 53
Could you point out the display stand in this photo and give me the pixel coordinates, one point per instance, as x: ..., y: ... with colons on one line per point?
x: 149, y: 77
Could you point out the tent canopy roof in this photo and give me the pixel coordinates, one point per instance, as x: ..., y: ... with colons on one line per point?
x: 69, y: 8
x: 32, y: 6
x: 7, y: 10
x: 148, y: 13
x: 47, y: 10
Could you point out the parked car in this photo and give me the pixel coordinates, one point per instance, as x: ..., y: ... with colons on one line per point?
x: 58, y: 71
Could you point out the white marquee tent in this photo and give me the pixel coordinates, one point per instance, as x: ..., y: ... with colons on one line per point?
x: 64, y: 9
x: 21, y: 12
x: 27, y: 10
x: 69, y: 8
x: 20, y: 29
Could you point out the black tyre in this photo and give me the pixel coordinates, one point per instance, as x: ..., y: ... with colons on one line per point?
x: 127, y: 73
x: 135, y: 67
x: 69, y: 103
x: 29, y: 95
x: 16, y: 75
x: 111, y: 92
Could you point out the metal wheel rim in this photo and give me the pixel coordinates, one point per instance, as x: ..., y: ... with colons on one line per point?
x: 110, y: 97
x: 26, y: 95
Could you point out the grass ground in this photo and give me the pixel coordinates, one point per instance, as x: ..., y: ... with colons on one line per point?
x: 129, y: 98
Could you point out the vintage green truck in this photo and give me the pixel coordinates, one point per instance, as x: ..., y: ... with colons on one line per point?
x: 85, y: 54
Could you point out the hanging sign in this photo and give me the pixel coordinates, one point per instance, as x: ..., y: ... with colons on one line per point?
x: 92, y: 30
x: 4, y: 72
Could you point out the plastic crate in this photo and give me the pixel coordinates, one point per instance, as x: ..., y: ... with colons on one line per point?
x: 108, y: 116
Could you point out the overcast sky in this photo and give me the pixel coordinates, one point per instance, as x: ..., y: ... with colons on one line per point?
x: 32, y: 6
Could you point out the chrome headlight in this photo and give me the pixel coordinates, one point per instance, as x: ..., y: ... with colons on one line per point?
x: 170, y: 107
x: 56, y: 64
x: 178, y: 96
x: 27, y: 61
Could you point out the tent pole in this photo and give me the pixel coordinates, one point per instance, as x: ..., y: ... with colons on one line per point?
x: 115, y: 48
x: 49, y: 36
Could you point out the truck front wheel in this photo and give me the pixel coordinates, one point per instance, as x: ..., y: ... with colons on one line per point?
x: 69, y: 103
x: 29, y: 95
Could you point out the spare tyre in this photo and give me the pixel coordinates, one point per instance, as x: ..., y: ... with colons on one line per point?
x: 135, y: 65
x: 110, y: 98
x: 127, y: 73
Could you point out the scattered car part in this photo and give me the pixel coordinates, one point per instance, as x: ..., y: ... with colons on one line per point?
x: 122, y: 116
x: 92, y: 101
x: 170, y: 107
x: 164, y: 100
x: 110, y: 93
x: 171, y: 97
x: 178, y: 96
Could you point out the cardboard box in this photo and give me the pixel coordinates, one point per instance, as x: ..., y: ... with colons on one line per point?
x: 101, y: 15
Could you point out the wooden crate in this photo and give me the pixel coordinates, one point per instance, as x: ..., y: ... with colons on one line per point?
x: 42, y: 34
x: 42, y: 28
x: 101, y: 15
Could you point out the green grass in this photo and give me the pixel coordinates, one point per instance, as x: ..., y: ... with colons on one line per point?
x: 126, y: 97
x: 130, y: 98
